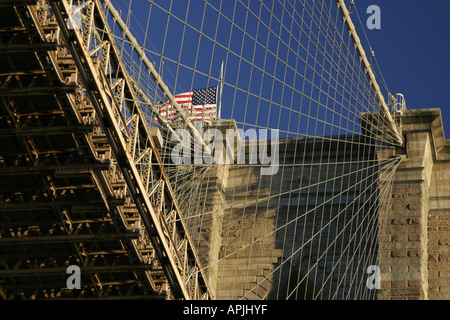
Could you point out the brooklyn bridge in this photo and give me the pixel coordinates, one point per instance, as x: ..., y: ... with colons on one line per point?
x: 212, y: 150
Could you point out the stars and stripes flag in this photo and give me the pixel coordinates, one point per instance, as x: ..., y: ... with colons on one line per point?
x: 198, y: 105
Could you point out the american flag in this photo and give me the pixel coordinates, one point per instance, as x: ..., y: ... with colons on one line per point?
x: 198, y: 105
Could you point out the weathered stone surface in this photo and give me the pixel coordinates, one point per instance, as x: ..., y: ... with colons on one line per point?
x: 249, y: 250
x: 417, y: 229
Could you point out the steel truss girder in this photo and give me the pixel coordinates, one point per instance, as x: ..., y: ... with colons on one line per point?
x: 47, y: 190
x: 66, y: 238
x: 114, y: 107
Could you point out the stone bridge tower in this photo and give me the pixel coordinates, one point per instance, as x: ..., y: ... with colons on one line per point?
x: 413, y: 234
x: 415, y: 237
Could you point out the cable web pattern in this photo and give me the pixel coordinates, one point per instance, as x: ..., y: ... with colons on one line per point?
x: 291, y: 207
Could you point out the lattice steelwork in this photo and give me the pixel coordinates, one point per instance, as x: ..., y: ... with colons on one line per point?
x: 87, y: 158
x: 98, y: 154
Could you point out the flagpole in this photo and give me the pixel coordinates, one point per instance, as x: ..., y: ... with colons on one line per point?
x: 220, y: 92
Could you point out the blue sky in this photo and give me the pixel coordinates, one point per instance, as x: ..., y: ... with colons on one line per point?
x: 413, y: 50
